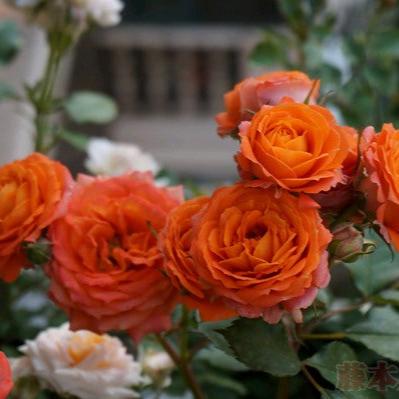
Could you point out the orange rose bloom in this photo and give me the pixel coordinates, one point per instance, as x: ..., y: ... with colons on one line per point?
x: 259, y: 254
x: 295, y: 146
x: 175, y: 243
x: 248, y: 96
x: 341, y: 196
x: 34, y: 192
x: 381, y: 187
x: 6, y: 383
x: 105, y: 273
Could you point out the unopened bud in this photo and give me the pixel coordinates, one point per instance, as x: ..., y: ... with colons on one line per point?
x: 348, y: 243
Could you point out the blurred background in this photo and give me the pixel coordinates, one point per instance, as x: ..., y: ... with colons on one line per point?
x: 170, y: 62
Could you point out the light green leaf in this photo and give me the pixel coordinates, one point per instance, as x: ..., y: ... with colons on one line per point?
x: 262, y: 346
x: 90, y: 107
x: 10, y: 41
x: 7, y: 92
x: 375, y: 271
x: 220, y: 359
x: 76, y: 140
x: 380, y: 332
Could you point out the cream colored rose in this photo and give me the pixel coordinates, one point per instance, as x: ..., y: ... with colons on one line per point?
x: 157, y: 365
x: 112, y: 159
x: 81, y: 363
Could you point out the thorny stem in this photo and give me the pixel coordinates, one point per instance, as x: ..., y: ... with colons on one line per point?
x: 315, y: 322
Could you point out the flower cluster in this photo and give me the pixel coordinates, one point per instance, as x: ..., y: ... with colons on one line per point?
x: 125, y: 251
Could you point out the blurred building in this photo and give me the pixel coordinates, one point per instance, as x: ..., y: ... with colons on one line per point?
x: 168, y: 66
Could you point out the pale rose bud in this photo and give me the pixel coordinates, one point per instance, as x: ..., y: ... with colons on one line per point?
x: 109, y: 158
x: 158, y: 367
x: 348, y: 243
x: 101, y: 12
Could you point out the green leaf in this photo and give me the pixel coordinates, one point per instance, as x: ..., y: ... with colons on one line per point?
x: 213, y: 331
x: 262, y: 347
x: 220, y: 359
x: 10, y: 41
x: 385, y: 44
x: 272, y: 50
x: 329, y: 357
x: 363, y: 394
x: 76, y: 140
x: 7, y: 92
x: 223, y: 381
x: 375, y: 271
x: 380, y: 332
x: 90, y: 107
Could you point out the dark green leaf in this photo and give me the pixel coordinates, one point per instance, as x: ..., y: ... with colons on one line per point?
x: 212, y: 330
x: 380, y: 332
x: 385, y: 44
x: 329, y: 357
x: 90, y: 107
x: 363, y: 394
x: 223, y: 381
x: 262, y: 347
x: 375, y: 271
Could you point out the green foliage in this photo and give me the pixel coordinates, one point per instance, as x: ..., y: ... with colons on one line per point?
x: 326, y: 362
x: 10, y: 41
x: 7, y: 92
x: 373, y: 272
x: 90, y: 107
x: 262, y: 346
x: 380, y: 332
x: 329, y: 357
x: 76, y: 140
x: 366, y: 81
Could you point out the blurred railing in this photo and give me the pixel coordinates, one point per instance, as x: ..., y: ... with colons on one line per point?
x: 169, y: 82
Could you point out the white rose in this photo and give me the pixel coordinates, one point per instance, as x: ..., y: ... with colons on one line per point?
x: 82, y: 364
x: 101, y: 12
x: 112, y: 159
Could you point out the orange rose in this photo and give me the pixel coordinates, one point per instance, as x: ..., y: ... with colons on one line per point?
x: 34, y: 192
x: 175, y: 243
x: 248, y: 96
x: 259, y: 254
x: 105, y: 273
x: 343, y: 194
x: 295, y: 146
x: 381, y: 187
x: 6, y: 383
